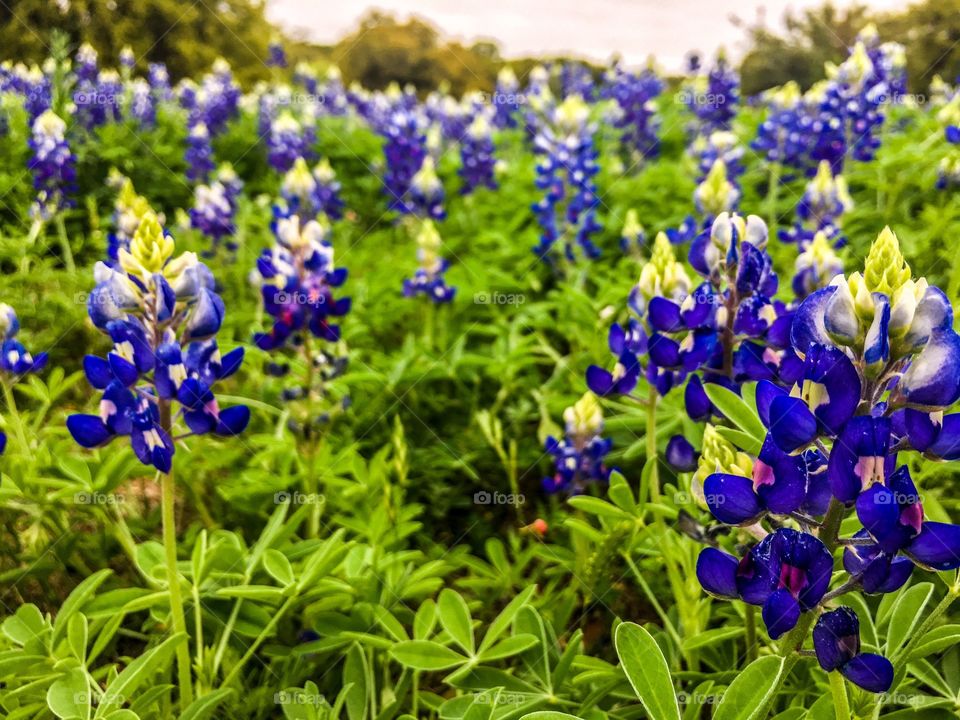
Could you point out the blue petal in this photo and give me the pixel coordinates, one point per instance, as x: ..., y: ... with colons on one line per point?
x: 791, y: 423
x: 680, y: 454
x: 808, y: 322
x: 98, y: 371
x: 947, y: 445
x: 937, y: 546
x: 717, y: 573
x: 836, y: 638
x: 780, y: 613
x: 88, y: 430
x: 933, y: 377
x: 873, y: 673
x: 233, y: 421
x: 664, y: 315
x: 731, y: 499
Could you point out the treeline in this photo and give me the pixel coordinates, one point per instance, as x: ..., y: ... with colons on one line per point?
x: 189, y: 36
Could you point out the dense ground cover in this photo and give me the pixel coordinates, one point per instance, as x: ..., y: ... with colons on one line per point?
x: 383, y: 543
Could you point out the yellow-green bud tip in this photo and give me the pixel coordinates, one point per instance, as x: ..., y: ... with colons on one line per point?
x: 885, y: 270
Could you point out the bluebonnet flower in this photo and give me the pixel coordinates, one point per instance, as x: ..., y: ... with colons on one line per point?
x: 232, y: 184
x: 212, y: 214
x: 311, y: 192
x: 716, y: 194
x: 825, y: 200
x: 836, y: 640
x: 286, y: 142
x: 680, y: 454
x: 426, y: 192
x: 578, y: 457
x: 669, y: 327
x: 816, y: 266
x: 576, y: 79
x: 565, y: 172
x: 477, y: 161
x: 632, y: 237
x: 159, y: 80
x: 404, y: 151
x: 128, y: 210
x: 429, y: 278
x: 162, y: 315
x: 713, y: 98
x: 948, y: 170
x: 199, y: 155
x: 787, y: 573
x: 52, y: 165
x: 634, y: 94
x: 507, y: 99
x: 880, y: 364
x: 718, y: 145
x: 782, y: 136
x: 142, y: 105
x: 85, y: 65
x: 297, y: 281
x: 326, y: 195
x: 15, y: 359
x: 276, y: 57
x: 127, y: 58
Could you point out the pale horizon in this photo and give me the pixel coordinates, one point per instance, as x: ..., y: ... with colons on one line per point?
x: 596, y: 31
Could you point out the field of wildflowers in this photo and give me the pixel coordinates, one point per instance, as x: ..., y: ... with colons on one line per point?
x: 594, y: 396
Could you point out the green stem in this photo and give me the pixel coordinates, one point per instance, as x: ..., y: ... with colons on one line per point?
x: 167, y: 494
x: 928, y: 623
x: 235, y: 670
x: 652, y: 398
x: 772, y: 193
x: 838, y: 689
x: 227, y: 632
x: 751, y: 633
x: 65, y: 244
x: 15, y: 415
x: 664, y: 618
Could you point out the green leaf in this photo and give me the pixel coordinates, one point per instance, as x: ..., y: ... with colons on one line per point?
x: 620, y: 493
x: 935, y: 641
x: 75, y: 600
x: 742, y: 440
x: 278, y: 567
x: 506, y: 616
x: 906, y: 615
x: 355, y: 676
x: 749, y: 695
x: 736, y: 410
x: 598, y: 507
x: 426, y: 655
x: 124, y: 685
x: 711, y: 637
x: 647, y: 670
x: 77, y: 636
x: 25, y: 625
x: 508, y: 647
x: 455, y: 619
x: 69, y: 696
x: 549, y: 715
x: 203, y: 707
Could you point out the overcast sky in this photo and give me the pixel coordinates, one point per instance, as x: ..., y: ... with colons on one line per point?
x: 591, y: 28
